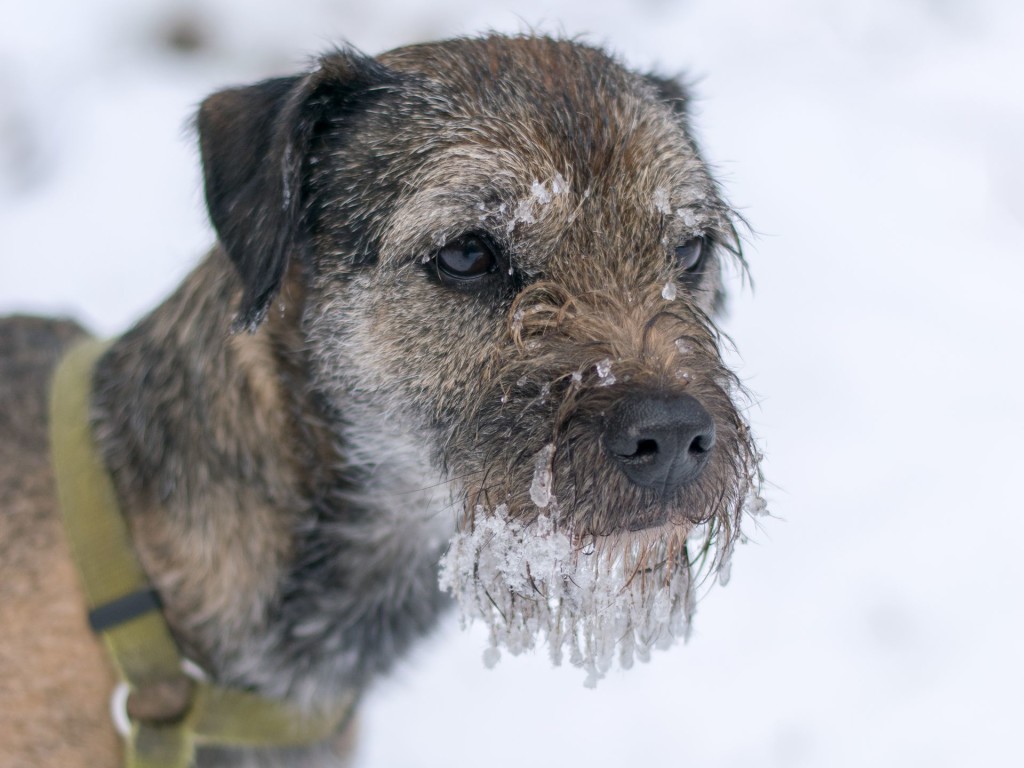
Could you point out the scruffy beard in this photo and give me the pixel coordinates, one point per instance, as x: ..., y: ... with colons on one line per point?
x: 614, y: 572
x: 599, y: 602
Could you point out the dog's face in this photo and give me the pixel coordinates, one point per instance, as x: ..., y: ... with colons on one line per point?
x: 511, y: 253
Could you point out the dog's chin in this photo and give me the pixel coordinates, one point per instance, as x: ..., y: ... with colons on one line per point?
x: 616, y: 521
x: 600, y: 600
x: 661, y: 518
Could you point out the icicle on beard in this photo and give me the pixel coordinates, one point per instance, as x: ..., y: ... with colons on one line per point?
x: 599, y: 603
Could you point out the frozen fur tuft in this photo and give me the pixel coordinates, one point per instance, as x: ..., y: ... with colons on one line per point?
x: 598, y: 602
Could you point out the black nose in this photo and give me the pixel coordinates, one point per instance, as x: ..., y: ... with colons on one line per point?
x: 661, y: 442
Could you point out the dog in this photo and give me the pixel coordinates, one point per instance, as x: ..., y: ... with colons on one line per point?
x: 459, y: 283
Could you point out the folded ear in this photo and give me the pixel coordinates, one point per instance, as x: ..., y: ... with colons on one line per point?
x: 254, y: 142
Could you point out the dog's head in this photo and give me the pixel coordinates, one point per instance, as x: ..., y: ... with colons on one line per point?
x: 510, y: 251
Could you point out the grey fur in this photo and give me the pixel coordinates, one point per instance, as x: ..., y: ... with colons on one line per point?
x: 291, y: 487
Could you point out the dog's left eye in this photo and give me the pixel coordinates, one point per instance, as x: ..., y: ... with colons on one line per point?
x: 466, y: 258
x: 688, y: 255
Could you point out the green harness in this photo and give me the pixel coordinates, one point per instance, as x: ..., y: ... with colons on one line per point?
x: 168, y: 710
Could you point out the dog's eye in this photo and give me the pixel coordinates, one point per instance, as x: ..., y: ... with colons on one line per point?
x: 688, y: 255
x: 467, y: 258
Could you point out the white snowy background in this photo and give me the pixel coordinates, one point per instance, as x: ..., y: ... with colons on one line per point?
x: 876, y: 147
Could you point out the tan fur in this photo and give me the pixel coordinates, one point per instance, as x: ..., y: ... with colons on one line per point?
x: 54, y: 674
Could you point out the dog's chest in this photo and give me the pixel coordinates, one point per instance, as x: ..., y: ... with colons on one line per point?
x: 364, y: 584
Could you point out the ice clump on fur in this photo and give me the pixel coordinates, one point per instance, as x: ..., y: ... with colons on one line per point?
x: 604, y: 372
x: 540, y: 195
x: 540, y: 488
x: 755, y: 506
x: 527, y: 582
x: 669, y: 291
x: 693, y: 220
x: 662, y: 202
x: 523, y: 213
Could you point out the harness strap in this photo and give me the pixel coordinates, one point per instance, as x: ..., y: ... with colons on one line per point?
x: 170, y: 711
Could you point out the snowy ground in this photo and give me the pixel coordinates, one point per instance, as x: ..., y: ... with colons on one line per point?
x: 875, y: 146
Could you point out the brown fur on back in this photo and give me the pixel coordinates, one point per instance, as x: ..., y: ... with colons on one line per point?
x: 51, y: 666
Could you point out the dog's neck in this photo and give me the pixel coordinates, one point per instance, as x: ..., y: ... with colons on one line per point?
x: 279, y: 566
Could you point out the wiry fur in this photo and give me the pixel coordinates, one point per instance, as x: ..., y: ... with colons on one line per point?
x: 291, y: 488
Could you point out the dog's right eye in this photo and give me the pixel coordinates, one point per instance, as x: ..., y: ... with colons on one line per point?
x: 465, y: 259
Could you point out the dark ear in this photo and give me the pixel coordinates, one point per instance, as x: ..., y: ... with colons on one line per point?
x: 672, y: 92
x: 254, y: 142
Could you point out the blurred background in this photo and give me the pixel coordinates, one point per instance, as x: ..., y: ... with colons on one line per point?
x: 876, y: 148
